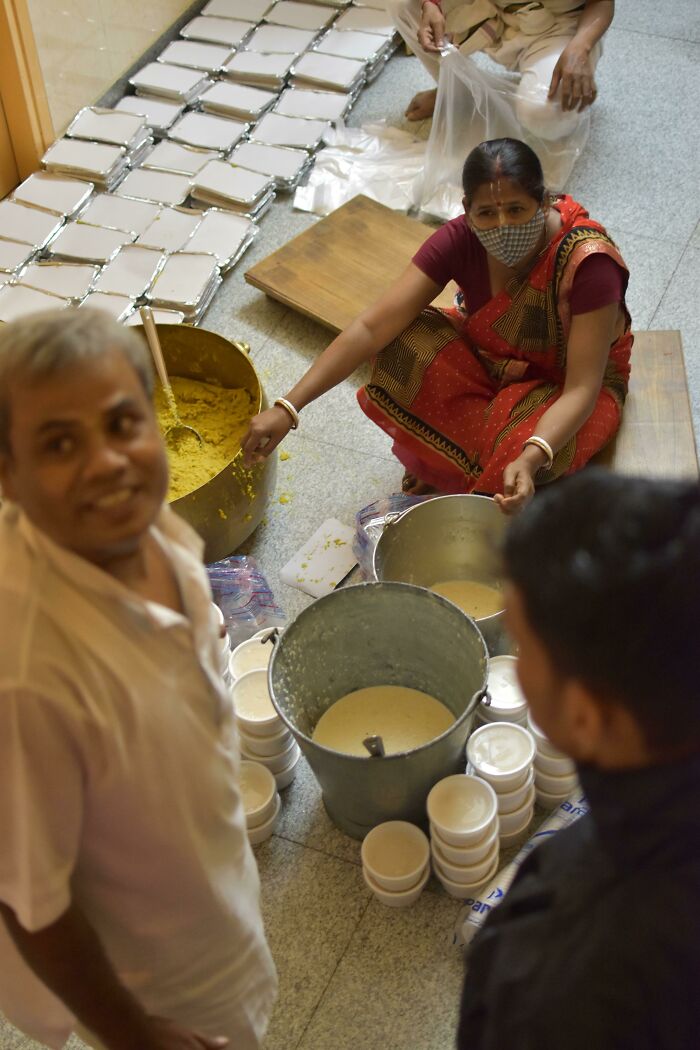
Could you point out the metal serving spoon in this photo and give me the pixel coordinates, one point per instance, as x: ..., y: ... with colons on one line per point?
x: 149, y: 327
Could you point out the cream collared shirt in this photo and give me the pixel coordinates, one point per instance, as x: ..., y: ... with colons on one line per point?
x: 119, y: 788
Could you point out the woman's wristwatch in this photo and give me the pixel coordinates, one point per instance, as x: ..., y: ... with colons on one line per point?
x: 290, y: 410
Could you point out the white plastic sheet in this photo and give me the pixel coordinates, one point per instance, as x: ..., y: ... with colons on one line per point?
x: 473, y: 105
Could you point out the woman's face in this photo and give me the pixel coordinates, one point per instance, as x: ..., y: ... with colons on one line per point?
x: 499, y: 203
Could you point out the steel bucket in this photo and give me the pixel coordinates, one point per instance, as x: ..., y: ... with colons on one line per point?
x: 447, y: 538
x: 228, y: 508
x: 378, y: 634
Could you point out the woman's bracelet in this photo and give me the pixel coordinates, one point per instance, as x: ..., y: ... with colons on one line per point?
x: 290, y: 409
x: 543, y: 446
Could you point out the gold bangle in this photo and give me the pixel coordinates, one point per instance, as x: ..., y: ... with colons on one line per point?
x: 543, y: 446
x: 290, y: 409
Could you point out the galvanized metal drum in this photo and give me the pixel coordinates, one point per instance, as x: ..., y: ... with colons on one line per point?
x: 379, y: 634
x: 447, y: 538
x: 228, y: 508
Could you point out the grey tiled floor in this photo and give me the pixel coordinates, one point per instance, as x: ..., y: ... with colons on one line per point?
x: 352, y: 974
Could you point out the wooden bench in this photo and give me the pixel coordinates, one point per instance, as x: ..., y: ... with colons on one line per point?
x: 331, y: 271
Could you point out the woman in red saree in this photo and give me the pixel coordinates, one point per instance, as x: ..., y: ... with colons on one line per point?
x: 524, y: 379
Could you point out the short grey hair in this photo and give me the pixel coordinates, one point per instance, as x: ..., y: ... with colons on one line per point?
x: 45, y: 343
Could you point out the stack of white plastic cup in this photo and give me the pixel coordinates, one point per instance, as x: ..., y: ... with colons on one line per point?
x: 555, y: 773
x: 506, y: 702
x: 261, y: 801
x: 502, y: 753
x: 463, y: 814
x: 225, y: 647
x: 263, y: 735
x: 396, y: 862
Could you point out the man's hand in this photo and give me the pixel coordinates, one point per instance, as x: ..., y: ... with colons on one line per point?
x: 158, y: 1033
x: 573, y: 76
x: 431, y: 35
x: 264, y: 434
x: 518, y: 486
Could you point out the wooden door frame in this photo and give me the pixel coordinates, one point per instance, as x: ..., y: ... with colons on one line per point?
x: 22, y: 88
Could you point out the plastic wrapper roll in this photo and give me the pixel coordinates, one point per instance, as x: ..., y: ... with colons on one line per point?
x: 474, y: 105
x: 473, y: 915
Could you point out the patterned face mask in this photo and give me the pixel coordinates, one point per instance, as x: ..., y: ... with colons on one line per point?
x: 510, y: 244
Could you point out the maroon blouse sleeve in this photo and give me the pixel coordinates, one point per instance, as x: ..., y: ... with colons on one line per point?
x: 599, y: 281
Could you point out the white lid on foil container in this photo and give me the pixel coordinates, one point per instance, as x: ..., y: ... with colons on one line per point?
x: 280, y: 39
x: 225, y: 181
x: 67, y: 280
x: 171, y: 229
x: 210, y: 58
x: 300, y: 15
x: 313, y: 105
x: 179, y: 158
x: 216, y: 30
x: 280, y: 162
x: 117, y: 306
x: 80, y: 242
x: 276, y: 130
x: 161, y: 187
x: 120, y: 213
x: 328, y: 71
x: 348, y: 43
x: 17, y: 301
x: 159, y: 112
x: 14, y: 255
x: 257, y: 67
x: 244, y: 10
x: 109, y: 126
x: 175, y: 82
x: 88, y: 158
x: 185, y: 280
x: 159, y: 316
x: 131, y: 272
x: 19, y: 222
x: 208, y: 131
x: 224, y: 235
x: 366, y: 20
x: 55, y: 193
x: 237, y: 100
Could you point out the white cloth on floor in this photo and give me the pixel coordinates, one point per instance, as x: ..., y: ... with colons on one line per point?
x: 119, y: 789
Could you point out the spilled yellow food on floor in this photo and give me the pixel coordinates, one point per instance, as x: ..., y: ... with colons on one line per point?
x: 219, y: 414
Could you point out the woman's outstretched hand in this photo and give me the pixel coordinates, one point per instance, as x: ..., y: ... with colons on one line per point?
x: 518, y: 487
x: 264, y: 434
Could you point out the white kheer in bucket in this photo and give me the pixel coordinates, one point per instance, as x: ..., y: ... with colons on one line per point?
x: 474, y: 598
x: 404, y: 718
x: 501, y: 753
x: 462, y: 808
x: 507, y: 702
x: 252, y: 705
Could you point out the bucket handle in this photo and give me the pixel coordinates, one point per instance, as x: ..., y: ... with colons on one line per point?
x: 393, y: 517
x: 273, y: 636
x: 479, y: 696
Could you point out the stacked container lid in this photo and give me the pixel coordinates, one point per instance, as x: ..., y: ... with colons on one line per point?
x: 555, y: 773
x: 464, y: 833
x: 502, y: 753
x: 505, y: 701
x: 264, y: 737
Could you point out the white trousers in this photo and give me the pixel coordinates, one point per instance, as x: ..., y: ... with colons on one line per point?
x: 533, y: 57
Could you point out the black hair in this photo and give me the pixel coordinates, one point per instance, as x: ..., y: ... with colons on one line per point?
x: 608, y: 569
x: 509, y: 158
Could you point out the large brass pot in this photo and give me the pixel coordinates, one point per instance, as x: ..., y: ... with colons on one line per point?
x: 229, y: 507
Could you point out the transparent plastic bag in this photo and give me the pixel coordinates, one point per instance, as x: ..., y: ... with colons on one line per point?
x: 474, y: 105
x: 244, y: 597
x: 370, y: 522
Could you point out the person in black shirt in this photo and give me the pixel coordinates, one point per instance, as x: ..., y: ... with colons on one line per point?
x: 597, y: 944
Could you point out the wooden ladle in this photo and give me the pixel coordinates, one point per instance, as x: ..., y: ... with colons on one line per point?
x: 149, y: 327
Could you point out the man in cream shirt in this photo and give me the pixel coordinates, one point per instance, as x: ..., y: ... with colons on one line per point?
x: 128, y: 890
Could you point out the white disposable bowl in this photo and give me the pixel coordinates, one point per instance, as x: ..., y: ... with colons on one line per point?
x: 555, y: 785
x: 286, y: 775
x: 258, y: 790
x: 253, y: 707
x: 517, y: 834
x: 258, y: 834
x: 267, y: 746
x: 395, y: 855
x: 466, y: 874
x: 219, y: 614
x: 542, y: 743
x: 547, y: 801
x: 275, y: 763
x: 561, y: 766
x: 508, y: 703
x: 251, y: 655
x: 463, y: 890
x: 509, y: 823
x: 398, y: 899
x: 466, y: 855
x: 509, y: 801
x: 501, y: 753
x: 462, y: 808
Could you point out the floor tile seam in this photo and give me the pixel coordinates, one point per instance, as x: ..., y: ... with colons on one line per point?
x: 317, y: 849
x: 322, y: 996
x: 318, y: 439
x: 652, y: 36
x: 686, y: 248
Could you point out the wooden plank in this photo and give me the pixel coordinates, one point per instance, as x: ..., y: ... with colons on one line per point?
x: 333, y: 270
x: 656, y: 438
x: 22, y: 88
x: 341, y: 264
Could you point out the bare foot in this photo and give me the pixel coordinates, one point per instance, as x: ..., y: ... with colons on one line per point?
x: 413, y: 486
x: 422, y: 105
